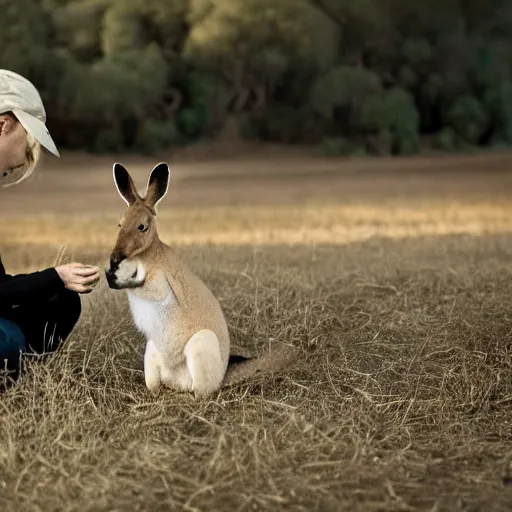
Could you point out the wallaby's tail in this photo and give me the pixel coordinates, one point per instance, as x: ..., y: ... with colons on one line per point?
x: 241, y: 368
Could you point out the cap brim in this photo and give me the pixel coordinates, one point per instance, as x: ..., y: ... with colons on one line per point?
x: 38, y: 130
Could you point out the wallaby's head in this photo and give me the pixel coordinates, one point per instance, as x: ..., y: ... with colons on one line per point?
x: 137, y: 227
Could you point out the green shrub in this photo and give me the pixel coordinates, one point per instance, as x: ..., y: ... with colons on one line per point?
x: 498, y: 100
x: 446, y: 139
x: 336, y: 147
x: 206, y: 102
x: 157, y: 135
x: 353, y: 149
x: 393, y: 116
x: 383, y: 142
x: 417, y: 50
x: 344, y: 87
x: 498, y: 144
x: 332, y: 147
x: 407, y: 77
x: 468, y: 118
x: 190, y: 121
x: 277, y: 124
x: 108, y: 140
x: 407, y: 141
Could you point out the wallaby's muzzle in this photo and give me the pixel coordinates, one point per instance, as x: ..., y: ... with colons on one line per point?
x: 125, y: 273
x: 111, y: 279
x: 110, y: 274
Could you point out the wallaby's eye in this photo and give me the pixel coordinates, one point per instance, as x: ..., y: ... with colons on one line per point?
x: 142, y: 227
x: 6, y: 173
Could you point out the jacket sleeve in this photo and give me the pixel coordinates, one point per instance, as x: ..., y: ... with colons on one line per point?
x: 17, y: 290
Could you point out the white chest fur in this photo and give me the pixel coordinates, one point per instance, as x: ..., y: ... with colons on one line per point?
x: 150, y: 315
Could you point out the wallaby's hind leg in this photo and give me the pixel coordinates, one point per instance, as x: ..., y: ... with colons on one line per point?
x: 152, y: 367
x: 204, y: 362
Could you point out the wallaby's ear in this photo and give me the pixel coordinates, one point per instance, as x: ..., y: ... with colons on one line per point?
x: 158, y: 184
x: 124, y: 184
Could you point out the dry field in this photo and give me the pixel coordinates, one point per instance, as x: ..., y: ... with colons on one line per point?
x: 391, y: 277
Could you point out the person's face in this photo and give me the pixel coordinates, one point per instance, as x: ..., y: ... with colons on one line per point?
x: 13, y: 145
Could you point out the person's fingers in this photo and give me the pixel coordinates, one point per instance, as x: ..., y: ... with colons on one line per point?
x: 80, y: 288
x: 81, y: 266
x: 86, y: 271
x: 78, y: 281
x: 88, y: 280
x: 85, y: 280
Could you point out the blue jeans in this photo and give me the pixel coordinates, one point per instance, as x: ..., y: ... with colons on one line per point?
x: 12, y: 344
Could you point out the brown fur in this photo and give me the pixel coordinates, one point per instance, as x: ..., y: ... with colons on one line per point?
x: 277, y: 360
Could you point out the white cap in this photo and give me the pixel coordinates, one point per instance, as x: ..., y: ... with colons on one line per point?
x: 19, y: 96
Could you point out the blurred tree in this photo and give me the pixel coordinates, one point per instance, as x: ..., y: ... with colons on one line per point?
x: 130, y: 81
x: 339, y: 95
x: 355, y: 74
x: 25, y: 37
x: 252, y: 44
x: 135, y: 24
x: 364, y: 27
x: 78, y: 26
x: 394, y: 117
x: 467, y: 116
x: 498, y: 100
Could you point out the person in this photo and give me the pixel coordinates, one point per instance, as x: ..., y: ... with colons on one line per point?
x: 38, y: 310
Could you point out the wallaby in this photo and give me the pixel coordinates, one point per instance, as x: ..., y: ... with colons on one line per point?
x: 187, y: 339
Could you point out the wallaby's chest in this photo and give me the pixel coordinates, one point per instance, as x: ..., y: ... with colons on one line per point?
x: 151, y: 316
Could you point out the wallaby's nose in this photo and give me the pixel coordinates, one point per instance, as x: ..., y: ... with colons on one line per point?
x: 111, y: 278
x: 115, y: 260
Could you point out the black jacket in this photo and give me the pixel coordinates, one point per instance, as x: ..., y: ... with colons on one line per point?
x: 27, y: 288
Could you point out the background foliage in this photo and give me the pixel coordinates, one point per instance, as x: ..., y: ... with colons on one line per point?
x: 357, y: 76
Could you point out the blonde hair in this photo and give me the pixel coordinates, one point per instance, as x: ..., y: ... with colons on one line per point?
x: 32, y: 156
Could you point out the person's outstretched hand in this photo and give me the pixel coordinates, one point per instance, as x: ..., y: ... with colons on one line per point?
x: 78, y: 277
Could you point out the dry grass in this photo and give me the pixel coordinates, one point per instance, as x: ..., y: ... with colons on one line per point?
x: 401, y: 399
x: 317, y: 223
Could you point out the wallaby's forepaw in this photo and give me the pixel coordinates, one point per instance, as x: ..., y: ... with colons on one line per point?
x: 154, y: 390
x: 152, y: 368
x: 152, y: 381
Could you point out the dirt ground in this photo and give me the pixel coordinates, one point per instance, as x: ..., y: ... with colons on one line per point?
x: 79, y: 184
x: 392, y: 278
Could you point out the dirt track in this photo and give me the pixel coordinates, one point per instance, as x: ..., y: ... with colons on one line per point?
x: 83, y: 184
